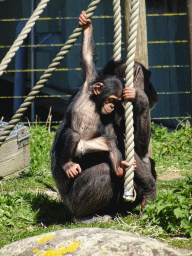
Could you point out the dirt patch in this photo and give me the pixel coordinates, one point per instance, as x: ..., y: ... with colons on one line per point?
x: 169, y: 176
x: 52, y: 194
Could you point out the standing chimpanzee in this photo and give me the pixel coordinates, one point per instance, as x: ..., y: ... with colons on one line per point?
x: 144, y: 98
x: 85, y: 158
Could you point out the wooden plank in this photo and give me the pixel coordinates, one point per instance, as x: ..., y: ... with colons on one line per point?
x: 8, y: 149
x: 17, y: 162
x: 15, y: 152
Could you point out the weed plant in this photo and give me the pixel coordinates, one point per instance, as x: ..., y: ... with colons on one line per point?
x: 173, y: 149
x: 25, y: 210
x: 172, y: 210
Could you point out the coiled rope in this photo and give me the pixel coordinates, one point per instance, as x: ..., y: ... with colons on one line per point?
x: 25, y: 31
x: 129, y: 193
x: 47, y: 74
x: 117, y: 29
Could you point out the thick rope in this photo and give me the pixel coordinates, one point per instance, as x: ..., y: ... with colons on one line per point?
x: 25, y: 31
x: 128, y: 184
x: 117, y: 29
x: 47, y: 74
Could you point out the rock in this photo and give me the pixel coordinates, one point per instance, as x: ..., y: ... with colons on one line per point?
x: 88, y: 241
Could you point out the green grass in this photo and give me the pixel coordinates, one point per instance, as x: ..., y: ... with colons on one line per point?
x: 25, y: 210
x: 172, y: 149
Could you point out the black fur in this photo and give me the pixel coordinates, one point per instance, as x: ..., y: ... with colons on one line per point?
x: 96, y: 187
x: 146, y: 98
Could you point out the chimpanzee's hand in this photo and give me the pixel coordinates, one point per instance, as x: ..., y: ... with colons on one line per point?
x: 129, y: 94
x: 83, y: 21
x: 120, y: 172
x: 72, y: 169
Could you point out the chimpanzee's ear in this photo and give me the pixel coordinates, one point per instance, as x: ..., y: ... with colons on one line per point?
x: 97, y: 88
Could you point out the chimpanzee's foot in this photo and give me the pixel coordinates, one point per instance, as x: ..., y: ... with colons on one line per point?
x: 143, y: 204
x: 91, y: 219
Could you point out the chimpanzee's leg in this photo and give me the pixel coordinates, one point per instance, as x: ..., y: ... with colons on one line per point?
x: 145, y: 176
x: 92, y: 191
x: 63, y: 184
x: 144, y: 184
x: 144, y: 181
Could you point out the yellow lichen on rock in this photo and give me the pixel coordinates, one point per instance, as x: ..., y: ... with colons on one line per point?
x: 46, y: 238
x: 61, y: 251
x: 36, y: 250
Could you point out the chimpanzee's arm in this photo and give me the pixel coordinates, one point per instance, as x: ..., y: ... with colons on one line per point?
x: 88, y: 53
x: 142, y: 124
x: 63, y: 150
x: 95, y: 145
x: 70, y: 140
x: 141, y: 102
x: 115, y: 155
x: 137, y: 93
x: 142, y: 130
x: 107, y: 142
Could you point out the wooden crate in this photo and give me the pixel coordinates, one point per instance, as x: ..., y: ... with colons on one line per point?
x: 15, y: 151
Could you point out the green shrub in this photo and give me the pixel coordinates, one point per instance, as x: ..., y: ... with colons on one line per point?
x: 172, y: 210
x: 172, y: 148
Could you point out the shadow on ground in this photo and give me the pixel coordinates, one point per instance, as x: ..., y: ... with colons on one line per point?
x: 50, y: 211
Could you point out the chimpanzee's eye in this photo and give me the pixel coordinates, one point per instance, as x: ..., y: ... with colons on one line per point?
x: 113, y: 101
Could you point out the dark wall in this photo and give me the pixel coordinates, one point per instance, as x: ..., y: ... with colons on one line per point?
x: 168, y: 60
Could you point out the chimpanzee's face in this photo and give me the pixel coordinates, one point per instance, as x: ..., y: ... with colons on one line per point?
x: 109, y: 103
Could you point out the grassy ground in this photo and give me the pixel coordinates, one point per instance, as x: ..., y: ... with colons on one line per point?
x: 28, y: 205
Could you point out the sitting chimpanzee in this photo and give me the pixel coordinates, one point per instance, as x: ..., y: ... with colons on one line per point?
x: 86, y: 162
x: 93, y: 183
x: 144, y: 98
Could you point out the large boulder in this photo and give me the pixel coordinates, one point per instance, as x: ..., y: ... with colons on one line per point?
x: 88, y: 241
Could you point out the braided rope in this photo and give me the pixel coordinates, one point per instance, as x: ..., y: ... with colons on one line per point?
x: 117, y: 29
x: 47, y: 74
x: 25, y: 31
x: 128, y: 184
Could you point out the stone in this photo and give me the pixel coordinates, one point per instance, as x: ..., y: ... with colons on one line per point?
x: 89, y: 241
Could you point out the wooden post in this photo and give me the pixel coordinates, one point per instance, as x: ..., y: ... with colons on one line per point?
x: 141, y: 48
x: 189, y: 11
x: 126, y: 14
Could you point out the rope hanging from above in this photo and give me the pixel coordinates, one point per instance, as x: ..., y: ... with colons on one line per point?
x: 25, y: 31
x: 47, y: 74
x: 129, y: 192
x: 117, y: 29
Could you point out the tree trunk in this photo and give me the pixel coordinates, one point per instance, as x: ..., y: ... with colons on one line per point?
x: 141, y: 47
x: 189, y: 10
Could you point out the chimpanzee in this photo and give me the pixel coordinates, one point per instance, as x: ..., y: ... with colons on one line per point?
x: 144, y: 98
x: 86, y: 153
x: 86, y: 162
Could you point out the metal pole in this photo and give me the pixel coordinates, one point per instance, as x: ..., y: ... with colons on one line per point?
x: 32, y: 62
x: 189, y: 10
